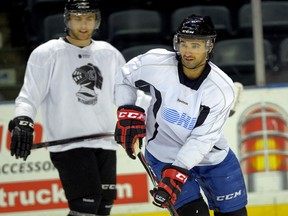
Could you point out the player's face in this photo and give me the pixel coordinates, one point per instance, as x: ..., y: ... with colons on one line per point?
x: 193, y: 52
x: 81, y: 26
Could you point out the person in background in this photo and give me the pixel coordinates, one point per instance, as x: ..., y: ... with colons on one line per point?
x: 72, y: 79
x: 191, y: 99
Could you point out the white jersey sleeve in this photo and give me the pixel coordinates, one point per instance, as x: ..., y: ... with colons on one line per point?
x: 129, y: 78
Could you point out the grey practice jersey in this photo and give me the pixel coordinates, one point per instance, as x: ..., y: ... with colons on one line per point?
x: 185, y: 118
x: 74, y: 87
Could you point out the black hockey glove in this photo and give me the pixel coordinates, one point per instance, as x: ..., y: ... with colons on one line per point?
x: 21, y: 129
x: 130, y: 127
x: 170, y: 186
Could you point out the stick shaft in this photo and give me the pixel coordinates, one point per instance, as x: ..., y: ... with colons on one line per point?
x: 238, y: 88
x: 154, y: 180
x: 71, y: 140
x: 148, y: 169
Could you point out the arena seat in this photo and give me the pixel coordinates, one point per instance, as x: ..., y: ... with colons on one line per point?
x: 129, y: 27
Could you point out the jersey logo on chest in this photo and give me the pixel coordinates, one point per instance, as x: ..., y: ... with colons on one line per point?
x: 178, y: 118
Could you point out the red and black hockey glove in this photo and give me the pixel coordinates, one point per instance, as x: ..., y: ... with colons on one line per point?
x: 21, y: 129
x: 130, y: 127
x: 170, y: 186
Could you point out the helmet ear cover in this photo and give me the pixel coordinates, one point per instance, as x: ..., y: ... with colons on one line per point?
x: 82, y: 7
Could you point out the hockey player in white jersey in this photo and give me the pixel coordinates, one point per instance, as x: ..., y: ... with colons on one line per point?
x: 72, y: 78
x: 191, y: 101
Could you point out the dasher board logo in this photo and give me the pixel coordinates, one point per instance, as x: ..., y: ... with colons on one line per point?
x: 49, y: 194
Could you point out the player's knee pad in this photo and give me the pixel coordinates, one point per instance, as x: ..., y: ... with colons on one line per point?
x: 197, y: 207
x: 108, y: 196
x: 88, y: 205
x: 105, y: 207
x: 240, y: 212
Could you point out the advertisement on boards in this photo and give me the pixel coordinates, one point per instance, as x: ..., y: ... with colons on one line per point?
x: 32, y: 187
x: 257, y: 132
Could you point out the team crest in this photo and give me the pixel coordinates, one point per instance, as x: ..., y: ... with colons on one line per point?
x: 89, y: 78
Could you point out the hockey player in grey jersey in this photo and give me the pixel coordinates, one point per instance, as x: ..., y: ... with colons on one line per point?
x: 72, y: 78
x: 191, y: 101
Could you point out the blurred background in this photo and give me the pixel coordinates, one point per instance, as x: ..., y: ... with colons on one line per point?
x: 251, y: 47
x: 255, y: 56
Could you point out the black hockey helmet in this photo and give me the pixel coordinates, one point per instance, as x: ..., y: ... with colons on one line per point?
x: 82, y: 7
x: 195, y: 27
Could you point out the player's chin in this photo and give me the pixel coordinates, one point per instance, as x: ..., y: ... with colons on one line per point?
x: 189, y: 64
x: 84, y: 35
x: 85, y: 38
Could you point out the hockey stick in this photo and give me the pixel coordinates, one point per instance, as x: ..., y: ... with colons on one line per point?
x: 71, y: 140
x: 152, y: 176
x: 238, y: 88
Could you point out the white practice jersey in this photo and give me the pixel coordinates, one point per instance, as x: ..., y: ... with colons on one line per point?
x: 185, y: 118
x: 74, y: 87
